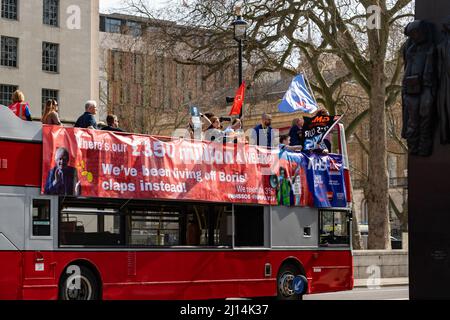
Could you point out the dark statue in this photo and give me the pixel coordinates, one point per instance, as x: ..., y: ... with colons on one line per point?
x: 443, y: 101
x: 419, y: 87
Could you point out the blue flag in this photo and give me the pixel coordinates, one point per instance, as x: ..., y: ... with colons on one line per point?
x: 298, y: 98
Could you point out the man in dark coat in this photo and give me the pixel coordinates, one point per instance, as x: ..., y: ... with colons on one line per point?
x: 113, y: 123
x: 262, y: 134
x: 296, y: 132
x: 87, y: 119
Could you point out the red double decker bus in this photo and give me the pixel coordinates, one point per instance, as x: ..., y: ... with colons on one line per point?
x: 161, y: 243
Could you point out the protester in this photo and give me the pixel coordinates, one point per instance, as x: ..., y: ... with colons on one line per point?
x: 236, y: 124
x: 19, y: 106
x: 205, y: 124
x: 62, y: 179
x: 262, y: 134
x: 296, y: 132
x: 101, y: 125
x: 234, y: 131
x: 51, y: 113
x: 113, y: 124
x: 87, y: 119
x: 286, y: 145
x: 208, y: 115
x: 213, y: 133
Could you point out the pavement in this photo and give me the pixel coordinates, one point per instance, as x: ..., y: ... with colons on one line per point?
x: 370, y: 293
x: 383, y: 282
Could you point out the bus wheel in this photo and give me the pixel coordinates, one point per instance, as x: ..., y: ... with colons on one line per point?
x: 287, y: 277
x: 78, y: 283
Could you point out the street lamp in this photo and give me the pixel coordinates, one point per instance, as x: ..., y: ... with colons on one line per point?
x: 240, y: 33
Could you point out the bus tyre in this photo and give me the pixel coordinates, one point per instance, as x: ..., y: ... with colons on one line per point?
x: 285, y: 283
x: 79, y: 283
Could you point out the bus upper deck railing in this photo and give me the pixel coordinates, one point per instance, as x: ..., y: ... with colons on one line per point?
x: 14, y: 128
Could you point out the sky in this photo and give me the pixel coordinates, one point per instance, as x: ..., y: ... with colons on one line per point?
x: 113, y: 5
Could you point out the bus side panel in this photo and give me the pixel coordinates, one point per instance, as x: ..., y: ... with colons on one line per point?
x: 10, y: 275
x: 330, y: 271
x: 160, y: 275
x: 20, y: 163
x: 192, y: 274
x: 40, y: 278
x: 222, y: 274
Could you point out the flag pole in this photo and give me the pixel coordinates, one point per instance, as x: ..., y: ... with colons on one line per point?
x: 331, y: 128
x: 309, y: 86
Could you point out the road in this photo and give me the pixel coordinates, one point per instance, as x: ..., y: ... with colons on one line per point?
x: 383, y: 293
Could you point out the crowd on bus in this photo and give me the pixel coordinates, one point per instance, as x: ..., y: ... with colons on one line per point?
x: 212, y: 129
x: 211, y: 126
x: 50, y: 116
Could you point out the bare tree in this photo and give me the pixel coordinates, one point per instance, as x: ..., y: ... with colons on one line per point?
x: 145, y: 85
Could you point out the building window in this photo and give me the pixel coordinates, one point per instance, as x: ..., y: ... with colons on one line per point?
x: 134, y: 28
x: 9, y: 9
x: 392, y: 166
x: 48, y: 94
x: 6, y: 91
x: 364, y: 213
x: 180, y: 75
x: 139, y: 67
x: 50, y: 56
x: 51, y: 9
x: 9, y: 51
x: 366, y: 131
x: 113, y: 25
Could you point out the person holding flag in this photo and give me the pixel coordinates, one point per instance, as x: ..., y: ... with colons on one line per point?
x: 315, y: 129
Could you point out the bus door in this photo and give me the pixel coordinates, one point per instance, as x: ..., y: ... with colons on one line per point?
x: 40, y: 235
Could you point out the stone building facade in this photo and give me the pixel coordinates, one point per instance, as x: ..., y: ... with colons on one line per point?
x: 49, y: 49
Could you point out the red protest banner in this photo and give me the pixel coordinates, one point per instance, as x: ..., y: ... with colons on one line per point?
x: 92, y: 163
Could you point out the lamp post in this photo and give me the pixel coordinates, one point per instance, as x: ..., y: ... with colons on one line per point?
x: 240, y: 33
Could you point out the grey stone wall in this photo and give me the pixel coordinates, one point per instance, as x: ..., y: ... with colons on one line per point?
x: 392, y: 263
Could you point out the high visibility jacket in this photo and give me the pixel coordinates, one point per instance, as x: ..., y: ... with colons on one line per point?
x: 20, y: 109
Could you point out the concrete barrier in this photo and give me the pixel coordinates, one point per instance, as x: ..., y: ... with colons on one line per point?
x: 380, y: 263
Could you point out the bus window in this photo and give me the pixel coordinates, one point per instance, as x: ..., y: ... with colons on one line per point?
x: 223, y: 229
x: 334, y: 228
x: 90, y: 227
x: 193, y: 225
x: 152, y: 227
x: 41, y: 217
x: 249, y: 226
x: 216, y: 230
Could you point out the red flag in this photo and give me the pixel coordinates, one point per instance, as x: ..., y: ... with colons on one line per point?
x: 238, y: 101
